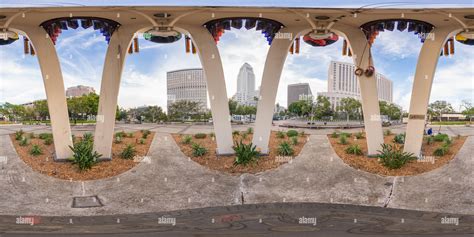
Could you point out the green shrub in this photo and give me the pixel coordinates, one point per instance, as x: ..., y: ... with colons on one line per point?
x: 393, y: 157
x: 343, y: 140
x: 249, y: 130
x: 19, y: 135
x: 440, y: 137
x: 346, y: 134
x: 359, y: 135
x: 280, y: 134
x: 302, y: 133
x: 23, y: 141
x: 235, y: 133
x: 145, y: 133
x: 334, y: 134
x: 292, y: 133
x: 244, y: 135
x: 128, y: 152
x: 141, y: 141
x: 32, y: 135
x: 442, y: 150
x: 399, y: 138
x: 90, y: 138
x: 45, y: 135
x: 200, y: 135
x: 198, y: 150
x: 429, y: 140
x: 48, y: 141
x: 245, y: 153
x: 285, y: 149
x: 354, y: 149
x: 187, y: 139
x: 447, y: 141
x: 36, y: 150
x: 120, y: 134
x: 294, y: 141
x: 387, y: 132
x: 130, y: 134
x: 118, y: 139
x: 83, y: 154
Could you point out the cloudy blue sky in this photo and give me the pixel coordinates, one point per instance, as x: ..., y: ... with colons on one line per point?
x: 82, y: 54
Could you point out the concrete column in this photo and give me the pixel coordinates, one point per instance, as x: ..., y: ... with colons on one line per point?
x: 109, y: 89
x: 212, y: 65
x: 55, y: 94
x: 368, y: 88
x: 422, y: 83
x: 269, y: 87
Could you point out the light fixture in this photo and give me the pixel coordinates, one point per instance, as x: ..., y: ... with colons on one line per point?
x: 322, y: 18
x: 162, y: 15
x: 162, y: 35
x: 470, y: 17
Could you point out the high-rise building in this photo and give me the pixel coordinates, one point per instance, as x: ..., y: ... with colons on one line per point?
x: 246, y: 92
x: 342, y: 83
x: 80, y: 90
x: 299, y: 91
x: 187, y: 84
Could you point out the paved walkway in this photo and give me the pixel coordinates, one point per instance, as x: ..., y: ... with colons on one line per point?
x: 173, y: 182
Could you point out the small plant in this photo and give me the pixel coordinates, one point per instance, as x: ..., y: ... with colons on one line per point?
x: 23, y: 141
x: 36, y: 150
x: 249, y: 130
x: 245, y: 153
x: 346, y: 134
x: 292, y: 133
x: 212, y: 135
x: 141, y: 141
x: 354, y: 149
x: 83, y: 155
x: 73, y: 138
x: 32, y: 136
x: 285, y: 149
x: 19, y: 135
x: 45, y: 135
x: 244, y: 135
x: 359, y: 135
x: 387, y: 132
x: 393, y: 157
x: 130, y: 134
x: 440, y: 137
x: 198, y: 150
x: 118, y: 139
x: 334, y: 134
x: 302, y: 133
x: 88, y: 137
x: 187, y: 139
x: 442, y: 150
x: 280, y: 134
x: 429, y: 140
x: 235, y: 133
x: 120, y: 134
x: 399, y: 138
x: 294, y: 141
x: 343, y: 140
x: 447, y: 141
x: 48, y: 141
x: 145, y: 133
x: 200, y: 135
x: 128, y: 152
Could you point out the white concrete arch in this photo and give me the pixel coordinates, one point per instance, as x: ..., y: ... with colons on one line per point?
x: 422, y: 84
x: 54, y: 87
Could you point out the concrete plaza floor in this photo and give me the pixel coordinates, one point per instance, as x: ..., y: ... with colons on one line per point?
x: 171, y: 181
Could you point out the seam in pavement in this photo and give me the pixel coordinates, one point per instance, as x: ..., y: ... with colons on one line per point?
x: 390, y: 195
x: 184, y: 129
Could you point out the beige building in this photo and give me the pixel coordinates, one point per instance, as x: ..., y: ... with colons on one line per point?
x: 187, y: 84
x: 79, y: 90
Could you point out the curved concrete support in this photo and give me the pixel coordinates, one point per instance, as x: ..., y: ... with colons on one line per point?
x: 269, y: 87
x: 422, y: 83
x: 109, y: 89
x: 55, y: 94
x: 212, y: 65
x: 368, y: 87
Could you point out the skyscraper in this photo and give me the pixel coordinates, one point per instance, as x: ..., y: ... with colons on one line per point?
x: 187, y: 84
x: 342, y: 82
x: 299, y: 91
x: 246, y: 92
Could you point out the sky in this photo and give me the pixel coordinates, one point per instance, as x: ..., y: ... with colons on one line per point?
x: 82, y: 54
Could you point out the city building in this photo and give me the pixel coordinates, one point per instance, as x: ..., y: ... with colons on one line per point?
x: 79, y: 90
x: 299, y: 91
x: 187, y: 84
x: 246, y: 93
x: 342, y: 83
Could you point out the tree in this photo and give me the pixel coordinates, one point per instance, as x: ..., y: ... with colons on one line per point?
x: 468, y: 109
x: 154, y: 114
x: 322, y: 108
x: 41, y: 109
x: 233, y: 106
x: 183, y: 109
x: 440, y: 107
x: 350, y: 107
x: 389, y: 109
